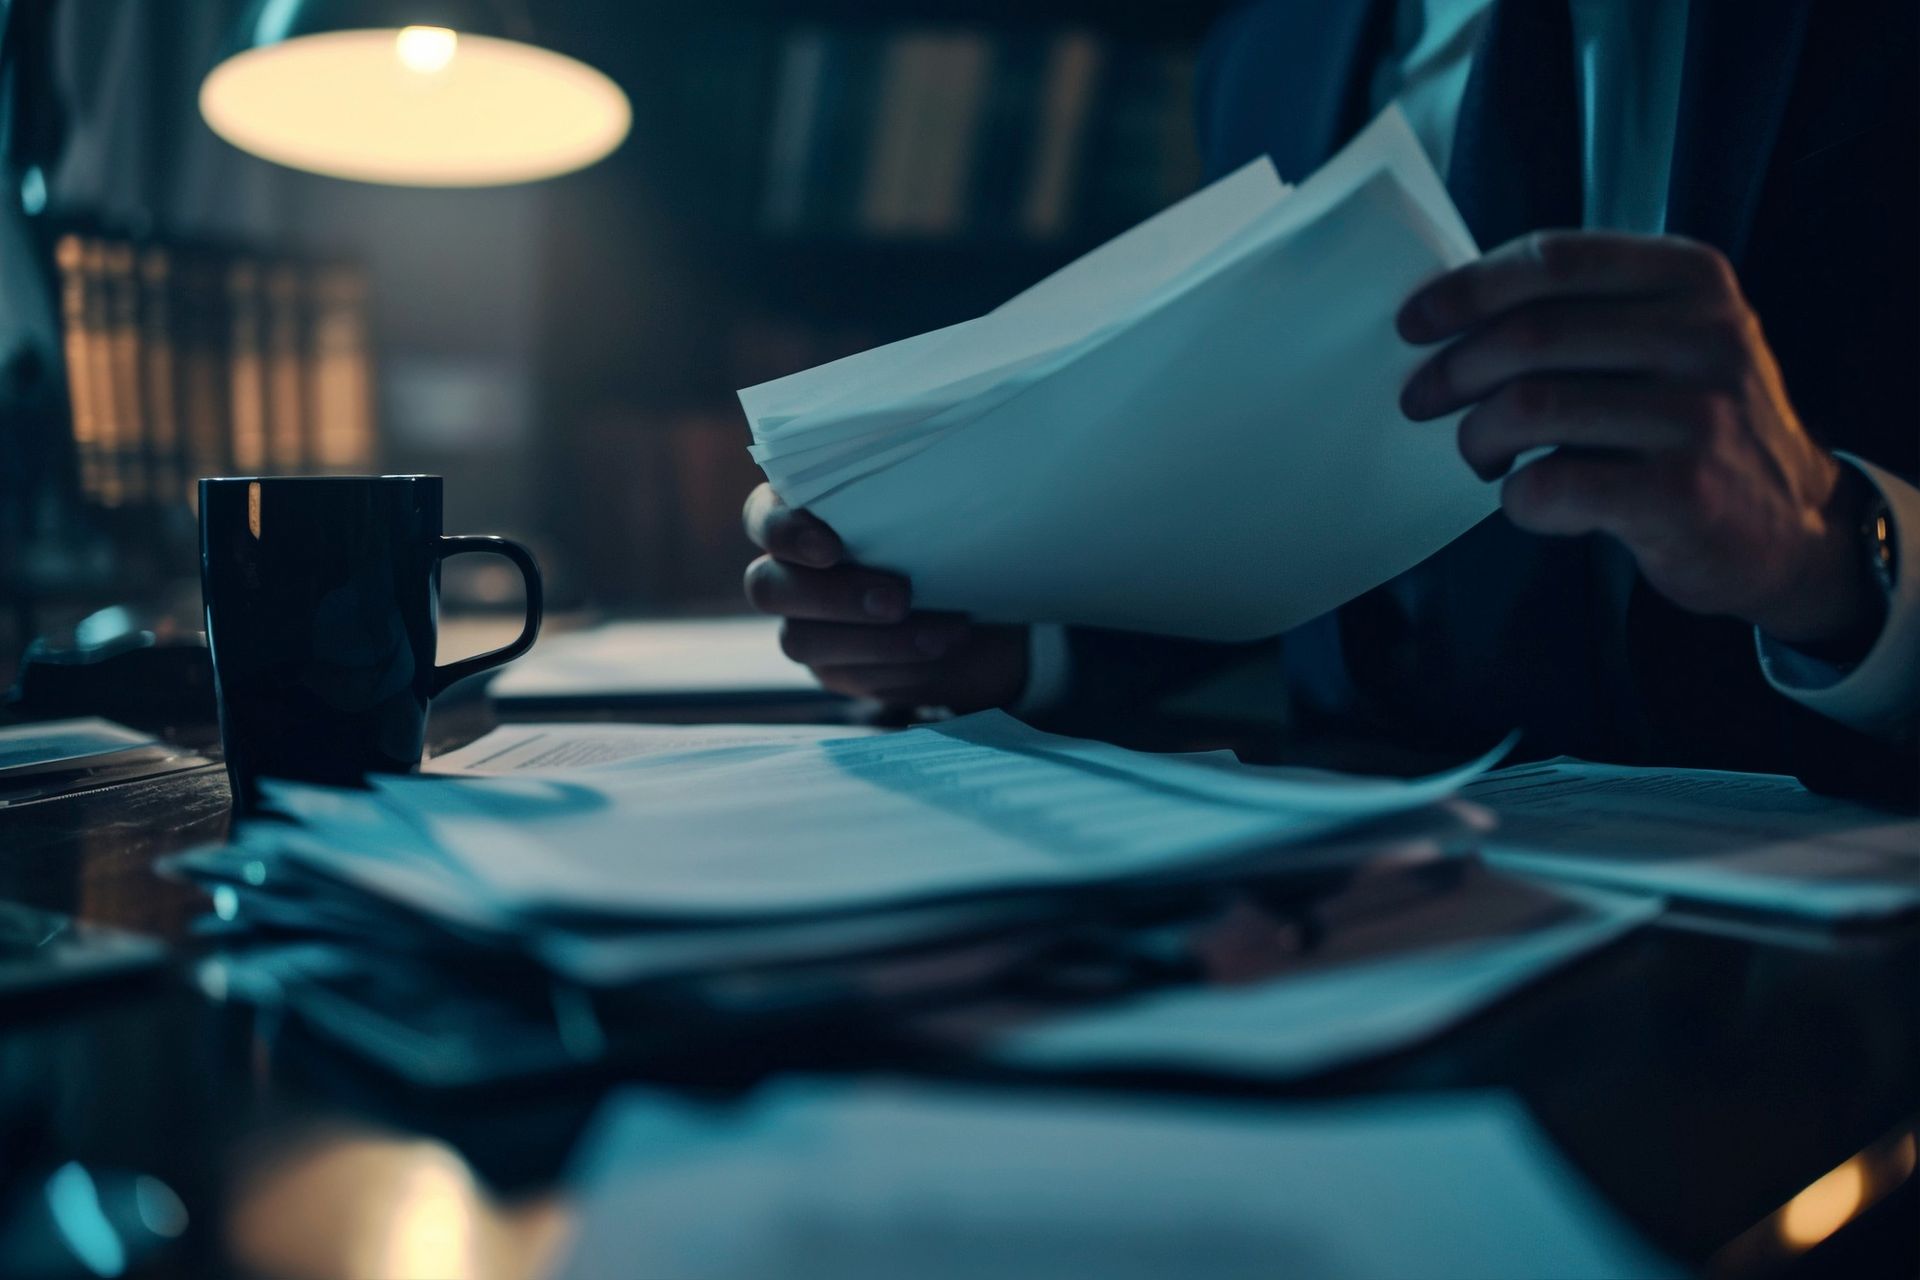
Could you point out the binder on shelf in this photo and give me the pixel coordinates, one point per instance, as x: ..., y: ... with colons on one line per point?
x: 943, y: 134
x: 185, y: 361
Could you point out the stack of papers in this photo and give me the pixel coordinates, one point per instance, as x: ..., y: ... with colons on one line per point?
x: 1197, y: 422
x: 1750, y: 841
x: 852, y: 1183
x: 544, y: 748
x: 742, y: 871
x: 794, y: 834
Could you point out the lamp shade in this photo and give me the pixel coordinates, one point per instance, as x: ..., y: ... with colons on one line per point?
x: 431, y: 93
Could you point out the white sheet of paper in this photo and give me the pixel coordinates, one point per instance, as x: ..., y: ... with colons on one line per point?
x: 1298, y: 1024
x: 940, y: 1183
x: 1227, y: 376
x: 1065, y: 308
x: 1754, y: 841
x: 672, y: 657
x: 351, y: 837
x: 524, y: 748
x: 1219, y: 775
x: 771, y: 405
x: 974, y: 805
x: 50, y: 744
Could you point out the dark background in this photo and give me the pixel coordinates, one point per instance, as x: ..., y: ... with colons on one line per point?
x: 566, y: 352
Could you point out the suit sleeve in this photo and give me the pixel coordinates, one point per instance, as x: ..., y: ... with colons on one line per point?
x: 1880, y: 695
x: 1853, y: 732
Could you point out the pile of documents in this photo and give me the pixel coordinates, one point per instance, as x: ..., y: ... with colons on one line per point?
x: 742, y: 872
x: 616, y: 864
x: 1751, y: 842
x: 1192, y: 430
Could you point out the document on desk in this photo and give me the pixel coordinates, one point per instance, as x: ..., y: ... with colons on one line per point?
x: 55, y: 757
x: 1224, y: 376
x: 522, y: 748
x: 875, y: 1182
x: 978, y: 805
x: 664, y: 661
x: 1442, y: 963
x: 62, y: 744
x: 1754, y: 841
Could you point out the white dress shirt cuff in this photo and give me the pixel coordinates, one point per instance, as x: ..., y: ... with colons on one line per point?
x: 1881, y: 694
x: 1046, y: 669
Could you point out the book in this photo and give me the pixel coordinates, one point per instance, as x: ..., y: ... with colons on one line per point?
x: 341, y: 373
x: 77, y: 338
x: 246, y: 368
x: 200, y: 322
x: 943, y: 134
x: 128, y: 458
x: 796, y: 117
x: 1006, y: 138
x: 159, y: 387
x: 1140, y: 151
x: 1073, y: 69
x: 284, y: 351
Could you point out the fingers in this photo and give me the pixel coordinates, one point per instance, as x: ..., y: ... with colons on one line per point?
x: 846, y: 594
x: 922, y: 638
x: 1560, y: 264
x: 1576, y: 336
x: 1571, y: 494
x: 1585, y: 413
x: 788, y: 533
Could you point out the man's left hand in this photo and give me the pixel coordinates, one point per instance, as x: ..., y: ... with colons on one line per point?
x: 1639, y: 358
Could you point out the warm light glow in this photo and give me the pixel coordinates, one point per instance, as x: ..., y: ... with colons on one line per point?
x: 1839, y: 1197
x: 425, y: 49
x: 434, y: 1218
x: 417, y: 107
x: 355, y: 1203
x: 1824, y: 1207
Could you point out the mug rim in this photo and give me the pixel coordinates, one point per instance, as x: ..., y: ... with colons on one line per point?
x: 356, y: 479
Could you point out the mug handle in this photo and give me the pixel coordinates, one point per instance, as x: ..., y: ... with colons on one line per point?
x: 458, y: 544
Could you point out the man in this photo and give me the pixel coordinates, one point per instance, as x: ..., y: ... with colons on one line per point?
x: 1717, y: 563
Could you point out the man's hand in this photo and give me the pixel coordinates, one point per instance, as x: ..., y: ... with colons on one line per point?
x: 1640, y: 358
x: 856, y: 628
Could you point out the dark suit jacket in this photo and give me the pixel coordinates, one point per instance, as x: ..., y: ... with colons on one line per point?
x: 1798, y: 155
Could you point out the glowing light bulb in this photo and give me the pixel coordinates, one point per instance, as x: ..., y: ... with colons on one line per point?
x: 425, y: 49
x: 380, y: 105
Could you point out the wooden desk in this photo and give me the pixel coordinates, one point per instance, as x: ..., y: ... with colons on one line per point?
x: 1701, y: 1081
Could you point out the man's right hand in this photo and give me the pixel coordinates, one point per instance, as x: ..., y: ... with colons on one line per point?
x: 856, y: 627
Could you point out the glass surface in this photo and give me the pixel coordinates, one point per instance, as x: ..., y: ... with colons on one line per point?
x: 1743, y: 1097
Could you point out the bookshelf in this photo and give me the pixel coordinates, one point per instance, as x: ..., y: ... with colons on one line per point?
x: 184, y: 360
x: 177, y: 359
x: 806, y: 180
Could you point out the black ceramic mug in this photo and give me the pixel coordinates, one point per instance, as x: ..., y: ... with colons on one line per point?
x: 322, y: 601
